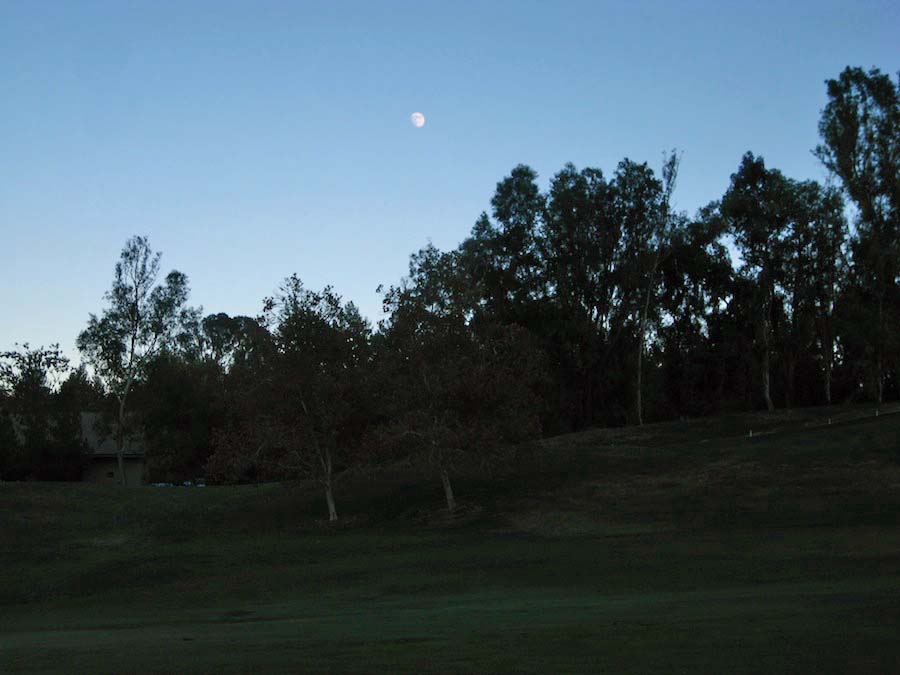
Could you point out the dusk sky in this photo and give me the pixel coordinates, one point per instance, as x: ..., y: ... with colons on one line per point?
x: 252, y: 140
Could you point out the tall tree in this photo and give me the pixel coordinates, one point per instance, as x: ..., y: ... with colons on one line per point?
x: 510, y: 273
x: 322, y: 350
x: 141, y: 319
x: 581, y: 247
x: 461, y: 397
x: 642, y: 205
x: 829, y: 234
x: 756, y: 209
x: 860, y: 130
x: 796, y: 309
x: 697, y: 284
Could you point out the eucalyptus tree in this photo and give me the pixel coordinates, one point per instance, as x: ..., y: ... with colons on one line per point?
x: 642, y: 204
x: 860, y: 131
x: 580, y: 250
x: 756, y: 208
x: 696, y: 287
x: 142, y: 318
x: 797, y: 258
x: 509, y: 269
x: 827, y: 273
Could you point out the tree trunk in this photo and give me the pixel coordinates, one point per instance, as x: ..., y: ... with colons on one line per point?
x: 329, y: 497
x: 879, y: 380
x: 638, y: 404
x: 879, y: 350
x: 120, y: 441
x: 329, y: 494
x: 448, y: 490
x: 828, y: 349
x: 121, y: 461
x: 764, y: 357
x: 765, y: 379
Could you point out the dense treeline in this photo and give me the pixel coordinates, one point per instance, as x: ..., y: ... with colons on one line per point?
x: 591, y: 303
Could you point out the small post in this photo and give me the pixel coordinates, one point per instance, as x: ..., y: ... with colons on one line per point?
x: 876, y: 412
x: 751, y: 433
x: 829, y: 421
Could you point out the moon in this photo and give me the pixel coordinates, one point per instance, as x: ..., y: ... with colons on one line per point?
x: 418, y: 119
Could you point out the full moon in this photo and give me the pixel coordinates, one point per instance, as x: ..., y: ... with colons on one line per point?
x: 418, y: 119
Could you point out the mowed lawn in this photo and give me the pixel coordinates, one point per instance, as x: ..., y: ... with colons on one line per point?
x: 673, y: 548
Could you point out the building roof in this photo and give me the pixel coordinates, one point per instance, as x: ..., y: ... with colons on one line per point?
x: 101, y: 442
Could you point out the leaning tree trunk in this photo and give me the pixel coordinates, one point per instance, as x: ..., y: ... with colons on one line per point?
x: 448, y: 490
x: 879, y: 380
x: 329, y: 493
x: 828, y: 349
x: 120, y: 437
x: 638, y: 402
x: 329, y: 497
x: 764, y: 357
x: 765, y: 380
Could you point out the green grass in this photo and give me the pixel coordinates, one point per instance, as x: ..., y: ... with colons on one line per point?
x: 679, y: 548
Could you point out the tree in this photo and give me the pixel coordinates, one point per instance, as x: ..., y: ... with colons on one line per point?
x: 504, y: 255
x: 9, y: 442
x: 860, y: 130
x: 461, y: 397
x: 220, y: 338
x: 77, y: 394
x: 643, y: 205
x: 29, y: 379
x: 322, y: 349
x: 756, y: 210
x: 798, y: 261
x: 829, y: 234
x: 301, y: 413
x: 180, y: 401
x: 142, y: 319
x: 696, y: 286
x: 581, y: 248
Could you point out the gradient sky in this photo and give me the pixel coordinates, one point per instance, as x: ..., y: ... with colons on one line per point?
x: 251, y: 140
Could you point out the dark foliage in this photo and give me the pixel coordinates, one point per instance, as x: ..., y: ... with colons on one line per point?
x: 593, y: 303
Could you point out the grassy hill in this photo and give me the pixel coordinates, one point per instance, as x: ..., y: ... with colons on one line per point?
x: 676, y: 547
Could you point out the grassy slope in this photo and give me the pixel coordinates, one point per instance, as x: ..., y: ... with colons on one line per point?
x: 673, y: 547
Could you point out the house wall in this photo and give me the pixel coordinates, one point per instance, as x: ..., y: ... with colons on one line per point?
x: 106, y: 470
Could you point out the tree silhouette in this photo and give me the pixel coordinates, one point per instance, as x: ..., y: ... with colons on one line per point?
x: 141, y: 319
x: 860, y: 130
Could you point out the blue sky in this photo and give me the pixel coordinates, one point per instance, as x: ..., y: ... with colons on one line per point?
x: 251, y: 140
